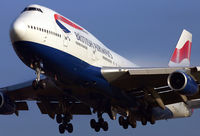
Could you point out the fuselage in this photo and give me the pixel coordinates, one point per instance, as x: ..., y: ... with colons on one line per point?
x: 66, y: 51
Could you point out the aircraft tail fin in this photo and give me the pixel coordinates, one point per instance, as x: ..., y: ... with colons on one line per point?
x: 182, y: 53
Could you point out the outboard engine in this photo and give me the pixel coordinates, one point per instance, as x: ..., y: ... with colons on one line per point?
x: 183, y: 83
x: 6, y: 105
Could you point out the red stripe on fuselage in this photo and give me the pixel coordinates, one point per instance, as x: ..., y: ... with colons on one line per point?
x: 58, y: 17
x: 184, y: 52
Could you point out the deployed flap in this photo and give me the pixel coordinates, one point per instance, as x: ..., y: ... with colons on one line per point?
x: 21, y: 106
x: 182, y: 53
x: 74, y: 109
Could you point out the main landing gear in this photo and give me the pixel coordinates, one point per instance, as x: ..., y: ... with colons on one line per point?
x: 125, y: 122
x: 64, y: 123
x: 97, y: 125
x: 38, y: 83
x: 147, y: 116
x: 145, y: 119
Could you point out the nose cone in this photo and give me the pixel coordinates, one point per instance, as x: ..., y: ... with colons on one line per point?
x: 17, y: 30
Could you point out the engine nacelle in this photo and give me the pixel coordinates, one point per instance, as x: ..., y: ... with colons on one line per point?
x: 6, y: 105
x: 183, y: 83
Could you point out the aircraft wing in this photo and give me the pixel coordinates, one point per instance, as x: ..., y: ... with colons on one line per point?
x: 178, y: 82
x: 48, y: 99
x: 152, y: 81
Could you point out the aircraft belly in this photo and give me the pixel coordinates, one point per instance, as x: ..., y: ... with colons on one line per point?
x: 68, y: 68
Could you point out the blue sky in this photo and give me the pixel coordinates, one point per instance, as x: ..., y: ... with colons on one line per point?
x: 145, y: 32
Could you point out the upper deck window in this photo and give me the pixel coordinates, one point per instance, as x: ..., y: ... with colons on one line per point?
x: 32, y: 9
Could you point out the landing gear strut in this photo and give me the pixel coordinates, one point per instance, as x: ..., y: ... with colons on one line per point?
x: 99, y: 124
x: 38, y: 83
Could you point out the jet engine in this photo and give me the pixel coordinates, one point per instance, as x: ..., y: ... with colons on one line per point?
x: 183, y: 83
x: 6, y: 105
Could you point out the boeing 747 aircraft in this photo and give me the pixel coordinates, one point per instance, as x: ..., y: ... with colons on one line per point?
x: 76, y: 74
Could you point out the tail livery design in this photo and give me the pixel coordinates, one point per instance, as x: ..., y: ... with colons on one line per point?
x: 66, y: 21
x: 182, y: 53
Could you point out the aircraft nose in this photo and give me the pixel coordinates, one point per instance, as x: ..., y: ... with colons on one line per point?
x: 17, y: 30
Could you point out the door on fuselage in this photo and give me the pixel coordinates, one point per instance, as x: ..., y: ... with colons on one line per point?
x: 66, y: 40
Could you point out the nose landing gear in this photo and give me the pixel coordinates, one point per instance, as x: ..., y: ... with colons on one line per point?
x: 38, y: 83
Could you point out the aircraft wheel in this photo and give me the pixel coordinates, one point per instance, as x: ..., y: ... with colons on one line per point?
x: 42, y: 84
x: 59, y: 118
x: 70, y: 128
x: 143, y: 121
x: 133, y: 124
x: 152, y: 120
x: 35, y: 85
x: 101, y: 120
x: 62, y: 128
x: 92, y: 123
x: 105, y: 126
x: 66, y: 119
x: 125, y: 125
x: 121, y: 120
x: 97, y: 127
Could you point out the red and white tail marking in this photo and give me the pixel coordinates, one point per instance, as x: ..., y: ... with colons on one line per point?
x: 182, y: 53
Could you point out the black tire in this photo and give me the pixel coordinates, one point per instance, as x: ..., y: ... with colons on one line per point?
x: 121, y: 120
x: 105, y: 126
x: 42, y: 84
x: 97, y: 127
x: 35, y: 85
x: 134, y: 124
x: 143, y: 121
x: 62, y: 128
x: 132, y: 121
x: 125, y: 125
x: 92, y: 123
x: 152, y: 120
x: 59, y: 118
x: 66, y: 119
x: 101, y: 120
x: 70, y: 128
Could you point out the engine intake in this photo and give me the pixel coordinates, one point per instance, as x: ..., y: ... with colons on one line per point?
x: 6, y: 105
x: 182, y: 82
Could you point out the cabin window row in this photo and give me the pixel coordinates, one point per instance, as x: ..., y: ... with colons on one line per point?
x: 44, y: 30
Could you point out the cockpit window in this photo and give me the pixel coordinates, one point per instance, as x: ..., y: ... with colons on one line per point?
x: 32, y: 9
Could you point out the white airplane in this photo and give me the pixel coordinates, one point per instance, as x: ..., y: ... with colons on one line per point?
x: 80, y: 74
